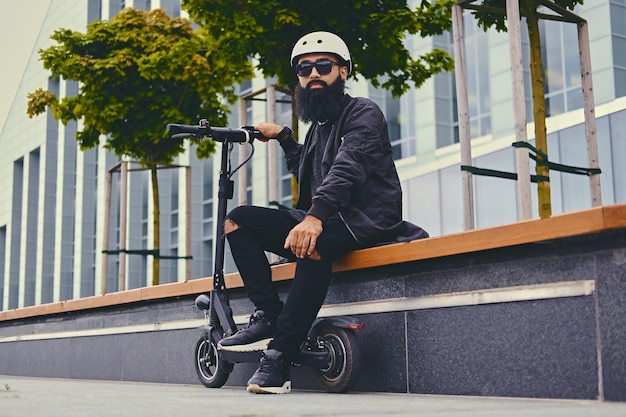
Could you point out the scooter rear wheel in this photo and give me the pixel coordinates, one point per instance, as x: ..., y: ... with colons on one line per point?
x: 212, y: 371
x: 344, y: 359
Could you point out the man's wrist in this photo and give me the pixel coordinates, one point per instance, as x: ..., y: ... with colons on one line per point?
x: 320, y: 211
x: 312, y: 218
x: 284, y: 134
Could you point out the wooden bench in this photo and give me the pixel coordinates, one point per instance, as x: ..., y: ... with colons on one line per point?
x: 536, y: 230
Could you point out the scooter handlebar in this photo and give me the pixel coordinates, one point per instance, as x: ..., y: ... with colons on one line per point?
x: 245, y: 134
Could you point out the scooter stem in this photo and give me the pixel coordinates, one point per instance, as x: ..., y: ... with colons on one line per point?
x: 219, y: 309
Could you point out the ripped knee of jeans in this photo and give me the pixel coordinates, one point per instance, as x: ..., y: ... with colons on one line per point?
x: 230, y: 226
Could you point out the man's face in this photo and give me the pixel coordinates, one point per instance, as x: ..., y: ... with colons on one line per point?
x: 320, y: 89
x: 311, y: 70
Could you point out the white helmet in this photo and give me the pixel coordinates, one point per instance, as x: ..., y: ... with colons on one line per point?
x: 321, y: 42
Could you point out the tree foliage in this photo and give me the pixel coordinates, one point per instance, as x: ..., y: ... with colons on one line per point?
x: 374, y: 30
x: 137, y: 72
x: 497, y: 20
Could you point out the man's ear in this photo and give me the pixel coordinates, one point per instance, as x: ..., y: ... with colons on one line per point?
x: 344, y: 72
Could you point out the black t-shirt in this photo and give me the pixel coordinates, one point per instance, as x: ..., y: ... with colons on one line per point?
x: 321, y: 133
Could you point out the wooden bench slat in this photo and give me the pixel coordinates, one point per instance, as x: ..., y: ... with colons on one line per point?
x: 528, y: 231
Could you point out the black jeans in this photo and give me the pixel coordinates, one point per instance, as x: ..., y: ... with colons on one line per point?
x: 263, y: 229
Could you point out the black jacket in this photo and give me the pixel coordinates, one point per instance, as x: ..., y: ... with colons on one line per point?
x: 360, y: 184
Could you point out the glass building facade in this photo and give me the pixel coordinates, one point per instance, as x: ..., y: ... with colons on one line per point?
x: 52, y: 214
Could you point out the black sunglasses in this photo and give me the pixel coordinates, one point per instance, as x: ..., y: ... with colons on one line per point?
x: 323, y: 67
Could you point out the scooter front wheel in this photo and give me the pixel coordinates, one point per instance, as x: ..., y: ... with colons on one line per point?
x: 212, y: 371
x: 344, y: 359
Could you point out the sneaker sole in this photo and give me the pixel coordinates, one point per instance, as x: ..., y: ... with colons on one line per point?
x: 256, y: 389
x: 251, y: 347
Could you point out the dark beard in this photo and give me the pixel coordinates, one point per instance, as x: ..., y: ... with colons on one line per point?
x: 320, y: 105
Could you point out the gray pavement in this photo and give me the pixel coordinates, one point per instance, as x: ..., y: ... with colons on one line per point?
x: 34, y: 397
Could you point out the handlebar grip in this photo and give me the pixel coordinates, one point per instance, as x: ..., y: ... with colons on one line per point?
x: 255, y: 133
x: 180, y: 135
x: 187, y: 130
x: 218, y: 134
x: 226, y: 134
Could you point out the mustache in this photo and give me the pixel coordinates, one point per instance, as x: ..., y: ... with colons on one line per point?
x: 320, y: 82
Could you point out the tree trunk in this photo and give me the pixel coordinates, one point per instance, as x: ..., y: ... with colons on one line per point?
x: 156, y: 223
x: 539, y: 110
x: 296, y: 133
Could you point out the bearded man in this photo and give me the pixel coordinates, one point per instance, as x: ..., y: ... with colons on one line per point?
x: 349, y: 198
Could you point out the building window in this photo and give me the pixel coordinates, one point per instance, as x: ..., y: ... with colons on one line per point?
x: 283, y: 117
x: 478, y: 90
x: 171, y: 7
x: 171, y: 274
x: 561, y: 65
x: 16, y: 223
x: 3, y: 252
x: 206, y: 267
x: 143, y: 5
x: 32, y: 214
x: 618, y: 27
x: 402, y: 146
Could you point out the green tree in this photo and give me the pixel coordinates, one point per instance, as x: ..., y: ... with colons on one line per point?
x: 493, y: 14
x: 137, y: 72
x: 374, y: 30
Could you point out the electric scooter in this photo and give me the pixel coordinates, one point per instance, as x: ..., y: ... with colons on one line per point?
x: 331, y: 348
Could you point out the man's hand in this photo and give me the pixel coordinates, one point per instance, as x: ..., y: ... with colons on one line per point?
x: 269, y: 130
x: 302, y: 239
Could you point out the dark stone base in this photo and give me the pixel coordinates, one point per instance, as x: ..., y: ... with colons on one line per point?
x: 569, y: 347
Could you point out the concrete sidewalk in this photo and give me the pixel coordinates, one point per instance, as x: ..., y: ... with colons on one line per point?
x: 41, y: 397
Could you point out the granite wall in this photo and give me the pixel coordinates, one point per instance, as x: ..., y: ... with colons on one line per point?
x: 540, y: 346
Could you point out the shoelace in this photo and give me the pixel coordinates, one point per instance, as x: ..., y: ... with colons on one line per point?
x: 253, y: 319
x: 270, y: 365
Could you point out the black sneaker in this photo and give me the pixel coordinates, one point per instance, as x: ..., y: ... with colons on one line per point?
x: 255, y: 336
x: 272, y: 377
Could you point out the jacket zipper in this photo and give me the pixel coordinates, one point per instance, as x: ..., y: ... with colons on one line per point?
x: 348, y: 227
